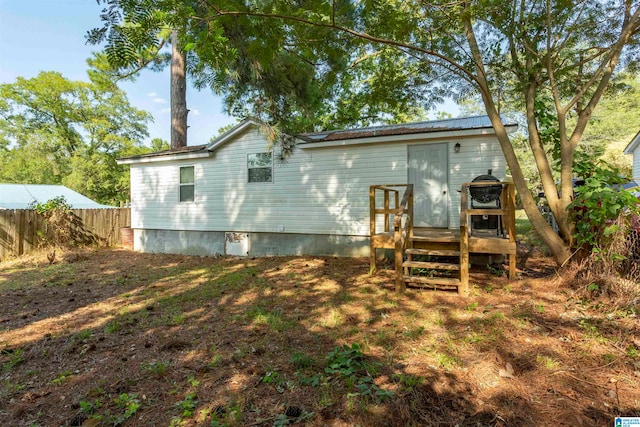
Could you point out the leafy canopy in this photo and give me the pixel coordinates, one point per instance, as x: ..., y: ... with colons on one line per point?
x: 57, y: 131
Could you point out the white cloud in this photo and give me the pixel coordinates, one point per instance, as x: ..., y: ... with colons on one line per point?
x: 152, y: 94
x: 194, y: 111
x: 159, y: 100
x: 165, y: 110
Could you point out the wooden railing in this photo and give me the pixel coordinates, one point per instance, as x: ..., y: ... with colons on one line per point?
x: 506, y: 214
x: 402, y: 214
x: 402, y: 232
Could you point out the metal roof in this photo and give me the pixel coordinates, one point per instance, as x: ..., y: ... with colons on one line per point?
x: 463, y: 123
x: 20, y: 196
x: 172, y: 151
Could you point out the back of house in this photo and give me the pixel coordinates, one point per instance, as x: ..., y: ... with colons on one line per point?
x: 238, y: 196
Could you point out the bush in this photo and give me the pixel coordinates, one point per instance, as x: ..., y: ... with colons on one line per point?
x: 61, y: 223
x: 597, y: 207
x: 608, y: 229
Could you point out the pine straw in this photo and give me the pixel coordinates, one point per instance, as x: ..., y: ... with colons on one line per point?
x: 163, y: 326
x: 612, y: 274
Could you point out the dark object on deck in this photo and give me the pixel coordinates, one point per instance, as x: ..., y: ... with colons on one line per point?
x: 485, y: 197
x: 488, y: 194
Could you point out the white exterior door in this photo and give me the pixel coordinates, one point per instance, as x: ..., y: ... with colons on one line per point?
x: 428, y: 166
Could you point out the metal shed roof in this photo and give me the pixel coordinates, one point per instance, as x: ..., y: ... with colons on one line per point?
x: 462, y: 123
x: 20, y: 196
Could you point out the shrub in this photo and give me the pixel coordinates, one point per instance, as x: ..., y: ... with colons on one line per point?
x: 63, y: 227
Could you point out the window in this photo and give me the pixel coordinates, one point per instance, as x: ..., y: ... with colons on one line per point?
x: 187, y: 184
x: 260, y: 167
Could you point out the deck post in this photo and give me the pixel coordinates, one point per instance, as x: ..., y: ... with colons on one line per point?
x: 372, y: 229
x: 386, y: 210
x: 511, y: 227
x: 463, y: 289
x: 400, y: 285
x: 410, y: 219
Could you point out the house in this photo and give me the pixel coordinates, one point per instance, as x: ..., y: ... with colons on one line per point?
x: 236, y: 196
x: 22, y: 196
x: 634, y: 149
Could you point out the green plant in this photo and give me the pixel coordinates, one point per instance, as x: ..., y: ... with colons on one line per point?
x: 408, y: 381
x: 344, y: 360
x: 496, y: 271
x: 301, y: 360
x: 348, y: 363
x: 313, y: 381
x: 598, y: 203
x: 89, y: 407
x: 472, y: 306
x: 187, y: 405
x: 540, y: 308
x: 63, y: 227
x: 62, y: 378
x: 271, y: 377
x: 16, y: 357
x: 130, y: 403
x: 156, y: 367
x: 413, y: 333
x: 281, y: 420
x: 10, y: 388
x: 112, y: 327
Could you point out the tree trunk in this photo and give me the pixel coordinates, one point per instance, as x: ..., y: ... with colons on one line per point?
x: 559, y: 248
x: 178, y: 95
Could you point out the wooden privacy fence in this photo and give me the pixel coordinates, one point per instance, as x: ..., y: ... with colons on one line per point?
x: 23, y: 230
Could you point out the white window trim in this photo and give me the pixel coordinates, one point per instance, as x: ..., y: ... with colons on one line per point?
x: 181, y: 184
x: 272, y: 169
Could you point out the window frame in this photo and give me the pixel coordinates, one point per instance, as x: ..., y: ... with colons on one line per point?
x: 271, y: 168
x: 181, y: 184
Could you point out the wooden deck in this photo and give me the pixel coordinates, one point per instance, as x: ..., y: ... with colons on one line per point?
x: 418, y: 249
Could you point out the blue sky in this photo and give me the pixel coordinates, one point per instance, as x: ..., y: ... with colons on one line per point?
x: 49, y: 35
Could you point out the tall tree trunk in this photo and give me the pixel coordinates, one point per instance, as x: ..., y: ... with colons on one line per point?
x: 178, y: 95
x: 559, y: 248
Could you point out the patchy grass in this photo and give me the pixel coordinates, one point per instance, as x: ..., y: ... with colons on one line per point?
x: 526, y: 234
x: 121, y: 338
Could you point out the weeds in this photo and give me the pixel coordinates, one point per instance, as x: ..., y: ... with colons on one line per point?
x: 156, y: 367
x: 61, y: 378
x: 16, y: 357
x: 347, y: 362
x: 302, y: 360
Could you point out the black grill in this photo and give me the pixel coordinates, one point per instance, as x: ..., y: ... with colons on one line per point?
x: 485, y: 194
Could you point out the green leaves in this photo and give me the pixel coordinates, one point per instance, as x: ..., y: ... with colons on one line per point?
x: 599, y: 202
x: 59, y: 131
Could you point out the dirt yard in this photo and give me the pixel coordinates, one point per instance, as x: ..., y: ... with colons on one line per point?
x: 112, y: 337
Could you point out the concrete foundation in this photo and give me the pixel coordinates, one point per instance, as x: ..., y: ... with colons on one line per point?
x: 256, y: 244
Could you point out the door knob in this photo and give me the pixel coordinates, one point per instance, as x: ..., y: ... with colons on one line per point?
x: 444, y: 192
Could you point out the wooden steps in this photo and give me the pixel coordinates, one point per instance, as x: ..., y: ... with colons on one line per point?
x: 431, y: 265
x: 434, y: 265
x: 436, y: 252
x: 435, y: 283
x: 438, y: 258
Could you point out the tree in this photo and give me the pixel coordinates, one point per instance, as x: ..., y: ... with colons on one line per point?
x: 57, y: 131
x: 135, y: 33
x: 557, y: 57
x: 309, y: 64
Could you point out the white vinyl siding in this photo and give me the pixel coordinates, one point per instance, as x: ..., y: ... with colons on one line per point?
x: 636, y: 164
x: 316, y: 191
x: 476, y: 156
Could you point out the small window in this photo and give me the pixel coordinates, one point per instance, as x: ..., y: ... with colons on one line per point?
x: 187, y: 184
x: 260, y: 167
